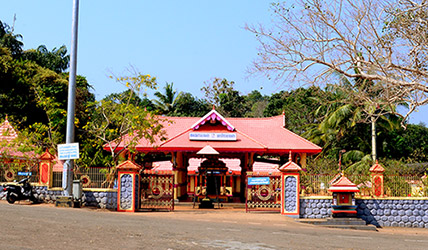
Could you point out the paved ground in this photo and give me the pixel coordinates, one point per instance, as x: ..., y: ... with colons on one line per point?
x: 25, y: 226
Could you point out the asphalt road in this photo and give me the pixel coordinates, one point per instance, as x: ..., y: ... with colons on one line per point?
x: 25, y: 226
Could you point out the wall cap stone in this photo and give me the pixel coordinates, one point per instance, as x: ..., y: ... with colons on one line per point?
x: 100, y: 189
x: 317, y: 197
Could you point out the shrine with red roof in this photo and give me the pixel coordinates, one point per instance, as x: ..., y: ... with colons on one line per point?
x: 211, y: 157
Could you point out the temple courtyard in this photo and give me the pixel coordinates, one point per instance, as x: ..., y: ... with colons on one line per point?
x: 43, y: 226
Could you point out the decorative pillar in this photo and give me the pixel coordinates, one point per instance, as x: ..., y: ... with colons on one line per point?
x: 290, y: 191
x: 377, y: 179
x: 128, y: 191
x: 45, y: 169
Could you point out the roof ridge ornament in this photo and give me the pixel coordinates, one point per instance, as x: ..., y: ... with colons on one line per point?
x: 213, y: 116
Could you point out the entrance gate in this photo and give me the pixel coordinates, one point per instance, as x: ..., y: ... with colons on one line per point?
x: 263, y: 193
x: 157, y: 190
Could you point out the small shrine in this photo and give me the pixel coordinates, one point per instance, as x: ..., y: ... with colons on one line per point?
x: 343, y: 197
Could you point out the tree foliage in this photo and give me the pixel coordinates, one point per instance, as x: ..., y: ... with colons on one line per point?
x: 383, y: 42
x: 118, y: 122
x: 166, y: 102
x: 56, y: 60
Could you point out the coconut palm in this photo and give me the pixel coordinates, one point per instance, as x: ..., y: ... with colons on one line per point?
x: 167, y: 101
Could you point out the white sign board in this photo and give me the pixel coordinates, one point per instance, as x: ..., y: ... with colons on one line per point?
x: 212, y: 136
x: 68, y: 151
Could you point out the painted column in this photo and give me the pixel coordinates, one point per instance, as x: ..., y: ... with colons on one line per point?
x: 290, y: 191
x: 243, y: 185
x: 45, y: 169
x: 128, y: 192
x: 377, y: 179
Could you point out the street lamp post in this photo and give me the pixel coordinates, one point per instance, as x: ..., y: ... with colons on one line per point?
x: 67, y: 176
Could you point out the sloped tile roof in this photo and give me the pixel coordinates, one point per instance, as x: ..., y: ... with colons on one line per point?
x: 343, y: 185
x: 264, y: 135
x: 377, y: 168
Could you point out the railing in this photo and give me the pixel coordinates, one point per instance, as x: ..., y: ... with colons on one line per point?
x: 56, y: 179
x: 406, y: 186
x: 94, y: 177
x: 394, y: 186
x: 10, y: 172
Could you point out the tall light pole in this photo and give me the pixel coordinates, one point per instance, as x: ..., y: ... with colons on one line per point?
x: 67, y: 176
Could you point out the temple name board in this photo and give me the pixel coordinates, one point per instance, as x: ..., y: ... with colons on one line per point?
x: 258, y: 181
x: 212, y: 136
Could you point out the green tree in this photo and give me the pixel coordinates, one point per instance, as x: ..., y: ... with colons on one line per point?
x: 56, y: 60
x: 10, y: 41
x: 117, y: 123
x: 313, y: 40
x: 188, y: 105
x: 299, y: 106
x: 166, y: 102
x: 257, y: 104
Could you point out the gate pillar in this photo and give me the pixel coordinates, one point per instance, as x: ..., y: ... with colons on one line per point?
x: 290, y: 191
x: 45, y: 169
x: 377, y: 179
x: 128, y: 191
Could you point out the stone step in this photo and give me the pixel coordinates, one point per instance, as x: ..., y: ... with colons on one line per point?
x: 345, y: 223
x: 355, y: 227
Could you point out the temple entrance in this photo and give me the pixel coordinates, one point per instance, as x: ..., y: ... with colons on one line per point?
x: 156, y: 190
x: 211, y: 176
x: 213, y: 184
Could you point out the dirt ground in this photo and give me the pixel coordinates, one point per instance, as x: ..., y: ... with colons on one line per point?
x: 43, y: 226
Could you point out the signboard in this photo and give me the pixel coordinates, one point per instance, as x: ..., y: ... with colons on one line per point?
x: 68, y: 151
x: 258, y: 181
x: 212, y: 136
x: 24, y: 173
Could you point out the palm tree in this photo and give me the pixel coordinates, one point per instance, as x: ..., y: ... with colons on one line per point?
x: 167, y: 101
x: 353, y: 103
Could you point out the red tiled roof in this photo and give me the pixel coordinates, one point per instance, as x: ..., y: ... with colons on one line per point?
x: 264, y: 135
x: 7, y: 135
x: 7, y: 132
x: 128, y: 165
x: 343, y: 185
x: 377, y: 168
x: 290, y: 167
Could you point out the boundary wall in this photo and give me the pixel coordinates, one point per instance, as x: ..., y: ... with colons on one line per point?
x: 381, y: 212
x: 91, y: 197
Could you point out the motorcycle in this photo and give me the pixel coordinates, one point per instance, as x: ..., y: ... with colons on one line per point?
x: 20, y: 191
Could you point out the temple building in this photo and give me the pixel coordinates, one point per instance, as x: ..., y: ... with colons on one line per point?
x: 211, y: 157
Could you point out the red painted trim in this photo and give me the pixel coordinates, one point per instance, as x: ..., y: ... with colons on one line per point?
x: 344, y: 211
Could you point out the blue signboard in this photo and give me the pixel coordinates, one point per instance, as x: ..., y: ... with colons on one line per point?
x: 24, y: 173
x: 258, y: 181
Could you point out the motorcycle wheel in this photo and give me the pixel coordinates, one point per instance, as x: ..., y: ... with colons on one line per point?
x: 11, y: 199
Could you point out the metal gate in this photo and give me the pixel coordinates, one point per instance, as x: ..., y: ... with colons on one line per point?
x: 157, y: 190
x: 263, y: 193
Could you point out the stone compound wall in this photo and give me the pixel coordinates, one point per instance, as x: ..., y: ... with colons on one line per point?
x: 379, y: 212
x: 315, y: 208
x: 102, y: 198
x: 394, y: 212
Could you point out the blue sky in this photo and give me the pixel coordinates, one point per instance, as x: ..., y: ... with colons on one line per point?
x: 185, y: 42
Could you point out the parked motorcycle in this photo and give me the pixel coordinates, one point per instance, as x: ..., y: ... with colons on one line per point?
x: 20, y: 191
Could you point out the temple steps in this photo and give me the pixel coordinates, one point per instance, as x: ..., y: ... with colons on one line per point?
x: 342, y: 223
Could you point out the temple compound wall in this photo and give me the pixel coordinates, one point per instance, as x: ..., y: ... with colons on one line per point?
x: 381, y: 212
x: 99, y: 198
